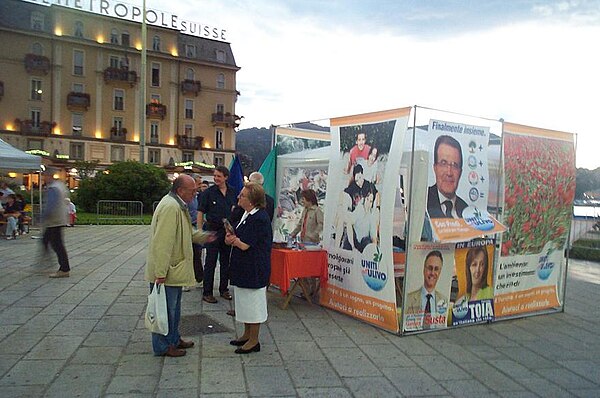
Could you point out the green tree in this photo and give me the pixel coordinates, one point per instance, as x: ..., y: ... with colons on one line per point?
x: 85, y: 169
x: 129, y: 180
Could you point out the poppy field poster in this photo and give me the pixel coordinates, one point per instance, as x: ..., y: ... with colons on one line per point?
x: 539, y: 188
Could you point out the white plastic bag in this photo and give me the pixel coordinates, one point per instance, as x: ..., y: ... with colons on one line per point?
x: 157, y: 319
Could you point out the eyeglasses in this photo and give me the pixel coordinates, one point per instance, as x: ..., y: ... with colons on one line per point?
x: 446, y: 164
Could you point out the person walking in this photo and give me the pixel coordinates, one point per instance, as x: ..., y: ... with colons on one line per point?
x: 54, y: 219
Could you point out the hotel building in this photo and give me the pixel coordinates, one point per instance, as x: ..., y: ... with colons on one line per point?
x: 70, y: 89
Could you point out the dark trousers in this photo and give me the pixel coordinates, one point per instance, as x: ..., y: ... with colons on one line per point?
x: 54, y: 236
x: 198, y: 271
x: 217, y: 249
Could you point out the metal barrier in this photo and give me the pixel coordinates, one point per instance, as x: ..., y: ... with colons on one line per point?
x: 127, y: 211
x: 154, y: 204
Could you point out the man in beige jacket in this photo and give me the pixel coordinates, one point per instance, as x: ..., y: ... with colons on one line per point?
x: 170, y: 259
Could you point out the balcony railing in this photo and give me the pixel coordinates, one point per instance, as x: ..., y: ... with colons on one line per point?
x: 120, y: 75
x: 156, y: 111
x: 28, y: 127
x: 37, y: 64
x: 118, y: 134
x: 78, y: 101
x: 225, y: 119
x: 190, y: 87
x: 186, y: 142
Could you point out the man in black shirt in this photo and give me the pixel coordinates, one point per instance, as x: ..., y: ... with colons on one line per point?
x: 216, y: 204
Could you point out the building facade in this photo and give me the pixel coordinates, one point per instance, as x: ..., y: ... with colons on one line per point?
x: 70, y: 89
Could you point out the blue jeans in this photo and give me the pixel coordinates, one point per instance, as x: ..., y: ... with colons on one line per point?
x: 161, y: 343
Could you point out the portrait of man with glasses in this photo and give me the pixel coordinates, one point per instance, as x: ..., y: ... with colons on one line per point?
x: 442, y: 200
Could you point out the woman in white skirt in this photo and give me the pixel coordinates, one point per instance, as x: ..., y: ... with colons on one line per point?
x: 250, y: 266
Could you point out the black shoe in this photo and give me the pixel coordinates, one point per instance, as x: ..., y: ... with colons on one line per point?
x: 256, y: 348
x: 238, y: 343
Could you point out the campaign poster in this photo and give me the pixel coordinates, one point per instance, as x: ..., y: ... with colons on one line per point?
x: 458, y: 182
x: 539, y: 188
x: 474, y: 273
x: 289, y: 210
x: 361, y: 188
x: 428, y: 284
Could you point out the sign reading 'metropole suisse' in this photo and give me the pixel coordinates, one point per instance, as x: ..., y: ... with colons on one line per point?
x: 130, y: 12
x: 359, y: 207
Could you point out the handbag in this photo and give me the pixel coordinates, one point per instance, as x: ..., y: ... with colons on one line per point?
x: 157, y: 319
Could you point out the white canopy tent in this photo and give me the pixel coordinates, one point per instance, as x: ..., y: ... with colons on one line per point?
x: 12, y: 158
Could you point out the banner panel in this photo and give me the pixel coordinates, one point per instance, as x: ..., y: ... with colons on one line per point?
x: 474, y: 266
x: 428, y: 285
x: 362, y: 181
x: 539, y: 181
x: 457, y: 197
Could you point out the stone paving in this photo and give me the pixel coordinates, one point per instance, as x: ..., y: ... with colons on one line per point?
x: 84, y: 336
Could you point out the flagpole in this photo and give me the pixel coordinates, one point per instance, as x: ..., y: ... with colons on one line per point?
x: 143, y: 87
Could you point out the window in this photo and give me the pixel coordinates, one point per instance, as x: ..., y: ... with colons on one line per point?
x: 189, y: 109
x: 118, y: 102
x: 190, y: 51
x: 77, y: 121
x: 78, y: 62
x: 35, y: 144
x: 188, y: 130
x: 36, y: 89
x: 77, y: 88
x: 188, y: 156
x: 220, y: 80
x: 219, y: 160
x: 118, y: 124
x: 220, y: 108
x: 115, y: 62
x: 156, y: 43
x: 117, y: 153
x: 154, y: 133
x: 37, y: 20
x: 114, y: 36
x: 221, y: 56
x: 125, y: 39
x: 76, y: 151
x: 37, y: 49
x: 154, y: 156
x: 155, y: 74
x: 36, y: 117
x: 219, y: 138
x: 189, y: 74
x: 78, y: 29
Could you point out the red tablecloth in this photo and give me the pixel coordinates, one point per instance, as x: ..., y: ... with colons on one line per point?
x: 289, y: 264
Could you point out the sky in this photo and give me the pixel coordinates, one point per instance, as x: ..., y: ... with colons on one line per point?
x: 529, y: 62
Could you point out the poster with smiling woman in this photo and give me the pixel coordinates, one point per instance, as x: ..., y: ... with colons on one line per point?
x: 474, y: 273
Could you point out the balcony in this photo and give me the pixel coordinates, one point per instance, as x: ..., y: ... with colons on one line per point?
x: 27, y: 127
x: 185, y: 142
x: 78, y: 101
x: 156, y: 111
x: 35, y: 64
x: 1, y: 89
x: 190, y: 87
x: 120, y: 75
x: 118, y: 134
x: 225, y: 119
